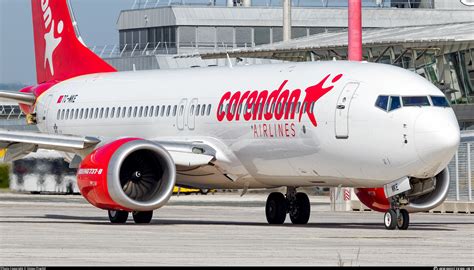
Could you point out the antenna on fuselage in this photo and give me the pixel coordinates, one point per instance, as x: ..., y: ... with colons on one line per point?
x: 230, y: 62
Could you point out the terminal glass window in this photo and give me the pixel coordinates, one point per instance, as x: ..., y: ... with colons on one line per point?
x: 187, y: 36
x: 243, y: 36
x: 225, y: 36
x: 206, y: 36
x: 261, y: 35
x: 277, y: 34
x: 297, y: 32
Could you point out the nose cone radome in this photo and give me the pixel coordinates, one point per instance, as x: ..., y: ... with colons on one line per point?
x: 437, y: 137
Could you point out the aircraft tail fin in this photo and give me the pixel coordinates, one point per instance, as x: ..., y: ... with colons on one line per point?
x: 60, y: 54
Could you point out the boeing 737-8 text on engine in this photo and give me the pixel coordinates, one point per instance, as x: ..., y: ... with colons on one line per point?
x: 132, y: 136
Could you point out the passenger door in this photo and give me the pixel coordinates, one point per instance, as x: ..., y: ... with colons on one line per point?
x: 342, y: 110
x: 192, y: 113
x: 181, y: 114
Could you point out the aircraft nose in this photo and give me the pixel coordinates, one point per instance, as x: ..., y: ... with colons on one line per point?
x: 437, y: 137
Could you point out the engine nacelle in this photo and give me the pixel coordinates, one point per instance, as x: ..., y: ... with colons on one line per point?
x: 424, y: 195
x: 128, y: 174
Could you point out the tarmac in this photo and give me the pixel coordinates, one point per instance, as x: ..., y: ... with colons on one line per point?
x: 222, y: 229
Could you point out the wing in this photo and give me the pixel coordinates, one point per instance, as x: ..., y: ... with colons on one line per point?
x: 15, y: 145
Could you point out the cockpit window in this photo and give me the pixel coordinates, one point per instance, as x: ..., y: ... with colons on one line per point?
x: 395, y: 103
x: 439, y: 101
x: 382, y: 102
x: 416, y: 101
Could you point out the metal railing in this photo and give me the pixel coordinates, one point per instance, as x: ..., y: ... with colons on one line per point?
x: 142, y: 49
x: 461, y: 173
x: 143, y: 4
x: 10, y: 112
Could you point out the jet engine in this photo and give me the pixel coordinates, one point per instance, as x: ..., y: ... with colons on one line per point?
x: 425, y: 194
x: 128, y: 175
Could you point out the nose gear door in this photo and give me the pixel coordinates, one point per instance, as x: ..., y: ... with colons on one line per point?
x: 342, y: 110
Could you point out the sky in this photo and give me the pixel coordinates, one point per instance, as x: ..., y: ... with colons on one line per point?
x: 97, y: 22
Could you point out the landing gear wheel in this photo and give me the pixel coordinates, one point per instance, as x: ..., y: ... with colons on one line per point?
x: 300, y: 209
x: 390, y: 219
x: 275, y: 209
x: 118, y: 216
x: 403, y: 220
x: 142, y: 217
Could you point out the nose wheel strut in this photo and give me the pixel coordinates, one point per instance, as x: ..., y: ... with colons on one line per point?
x: 396, y: 217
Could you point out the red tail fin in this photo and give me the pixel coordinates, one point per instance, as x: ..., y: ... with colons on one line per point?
x: 59, y: 53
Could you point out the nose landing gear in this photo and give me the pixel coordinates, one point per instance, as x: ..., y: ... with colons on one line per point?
x: 297, y: 205
x: 396, y: 217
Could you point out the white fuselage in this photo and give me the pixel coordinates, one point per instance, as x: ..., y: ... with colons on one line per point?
x: 354, y: 143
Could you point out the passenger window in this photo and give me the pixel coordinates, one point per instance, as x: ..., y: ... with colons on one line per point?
x: 191, y: 112
x: 415, y: 101
x: 106, y: 112
x: 67, y: 114
x: 82, y: 114
x: 91, y: 113
x: 101, y: 113
x: 124, y: 111
x: 198, y: 108
x: 59, y: 114
x: 168, y: 110
x: 96, y: 113
x: 382, y: 102
x: 162, y: 111
x: 203, y: 110
x: 112, y: 113
x: 209, y: 109
x: 395, y: 103
x: 181, y: 110
x: 439, y: 101
x: 141, y: 111
x: 175, y: 108
x: 76, y: 115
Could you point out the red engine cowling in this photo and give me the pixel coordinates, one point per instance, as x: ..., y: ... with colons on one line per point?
x: 128, y: 174
x: 425, y: 194
x: 374, y: 198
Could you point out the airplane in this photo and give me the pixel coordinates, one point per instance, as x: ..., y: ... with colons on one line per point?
x: 132, y: 136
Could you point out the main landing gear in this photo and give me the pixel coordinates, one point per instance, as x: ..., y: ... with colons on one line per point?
x: 122, y: 216
x: 295, y: 204
x: 396, y: 217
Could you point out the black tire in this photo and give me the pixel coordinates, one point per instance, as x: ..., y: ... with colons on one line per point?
x: 403, y: 220
x: 142, y: 217
x: 275, y: 209
x: 204, y: 191
x: 390, y: 219
x: 301, y: 214
x: 118, y: 216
